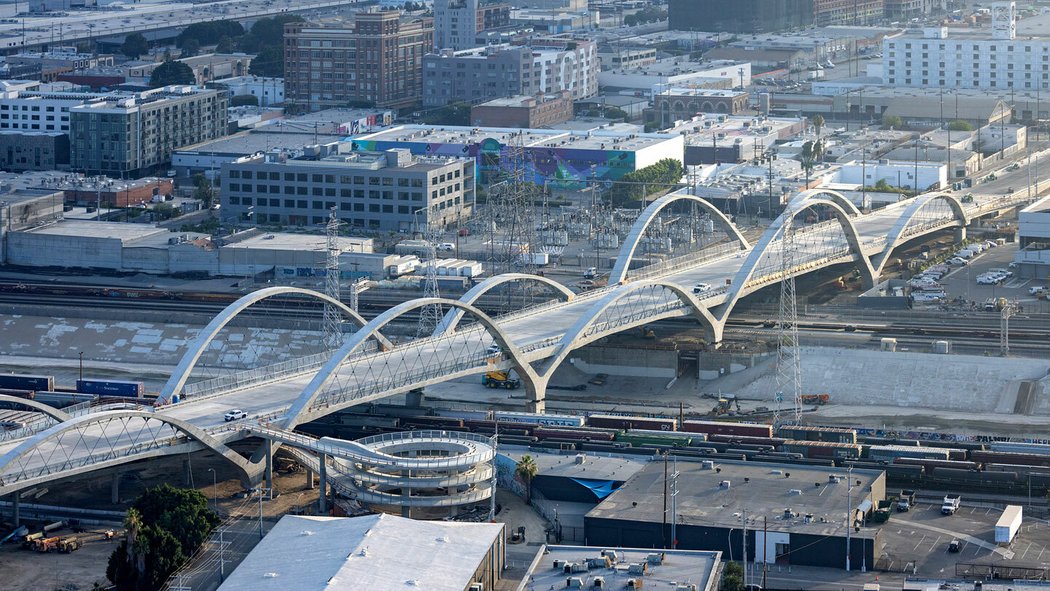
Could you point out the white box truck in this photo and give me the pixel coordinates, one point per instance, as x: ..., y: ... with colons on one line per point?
x: 1008, y: 524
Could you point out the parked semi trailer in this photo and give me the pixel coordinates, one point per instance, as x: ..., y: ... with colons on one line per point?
x: 1008, y: 525
x: 119, y: 388
x: 27, y: 382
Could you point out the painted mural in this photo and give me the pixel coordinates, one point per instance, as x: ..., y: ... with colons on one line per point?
x: 559, y: 168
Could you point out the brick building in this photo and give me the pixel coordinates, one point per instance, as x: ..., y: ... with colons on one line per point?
x: 848, y: 12
x: 378, y: 61
x: 525, y: 112
x: 115, y: 193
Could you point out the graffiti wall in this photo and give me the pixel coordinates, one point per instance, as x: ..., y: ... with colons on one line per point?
x: 506, y: 477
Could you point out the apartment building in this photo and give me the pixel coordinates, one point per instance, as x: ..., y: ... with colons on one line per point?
x: 523, y: 112
x: 739, y: 16
x: 458, y: 22
x: 996, y: 62
x: 389, y: 191
x: 133, y: 135
x: 378, y: 60
x: 902, y: 9
x: 848, y: 12
x: 549, y: 66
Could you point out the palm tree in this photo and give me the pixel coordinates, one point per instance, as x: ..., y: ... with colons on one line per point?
x: 811, y: 152
x: 818, y: 123
x: 527, y: 470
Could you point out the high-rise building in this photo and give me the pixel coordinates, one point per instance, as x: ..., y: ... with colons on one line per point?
x: 848, y: 12
x: 378, y: 61
x: 458, y: 22
x: 549, y: 66
x: 901, y: 9
x: 132, y: 135
x: 739, y: 16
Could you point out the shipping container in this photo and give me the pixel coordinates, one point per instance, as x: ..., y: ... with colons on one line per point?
x: 628, y: 422
x: 1024, y: 448
x: 773, y: 441
x: 937, y: 463
x: 644, y: 437
x: 888, y: 453
x: 463, y: 414
x: 529, y: 418
x: 808, y: 433
x: 112, y: 388
x: 822, y: 449
x: 27, y: 382
x: 573, y: 435
x: 727, y: 428
x: 63, y: 399
x: 1008, y: 525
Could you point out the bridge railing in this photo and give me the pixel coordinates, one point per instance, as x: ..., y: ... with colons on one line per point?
x: 679, y: 263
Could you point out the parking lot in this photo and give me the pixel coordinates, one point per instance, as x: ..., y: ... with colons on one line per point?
x: 917, y: 541
x: 961, y: 281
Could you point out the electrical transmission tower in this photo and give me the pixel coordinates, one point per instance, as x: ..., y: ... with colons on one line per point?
x: 512, y: 219
x: 333, y: 318
x: 789, y: 362
x: 430, y: 316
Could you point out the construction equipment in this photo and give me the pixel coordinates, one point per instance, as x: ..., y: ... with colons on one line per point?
x: 500, y: 379
x: 46, y: 544
x: 30, y: 540
x: 70, y: 544
x: 19, y: 532
x: 820, y: 399
x: 725, y: 406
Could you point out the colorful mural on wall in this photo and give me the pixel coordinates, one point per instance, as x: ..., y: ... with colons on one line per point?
x: 559, y: 168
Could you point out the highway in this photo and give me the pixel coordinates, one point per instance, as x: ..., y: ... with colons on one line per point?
x: 534, y: 341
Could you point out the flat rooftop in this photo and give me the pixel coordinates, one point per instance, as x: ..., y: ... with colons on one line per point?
x: 593, y: 467
x: 259, y: 140
x: 678, y: 566
x: 530, y: 138
x: 288, y: 241
x: 765, y: 490
x: 367, y: 552
x: 519, y: 100
x: 678, y: 67
x: 97, y: 229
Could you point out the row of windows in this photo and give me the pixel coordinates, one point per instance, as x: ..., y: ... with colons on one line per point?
x: 343, y: 206
x: 345, y: 179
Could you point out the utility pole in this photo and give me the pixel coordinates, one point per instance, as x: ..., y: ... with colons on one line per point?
x: 789, y: 363
x: 765, y: 544
x: 849, y: 511
x: 261, y: 491
x: 674, y: 506
x: 1008, y: 310
x: 663, y: 530
x: 744, y: 543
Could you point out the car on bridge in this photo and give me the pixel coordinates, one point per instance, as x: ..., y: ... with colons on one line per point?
x: 235, y: 415
x: 701, y: 288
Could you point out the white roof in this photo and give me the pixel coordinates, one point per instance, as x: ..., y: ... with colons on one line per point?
x: 368, y: 552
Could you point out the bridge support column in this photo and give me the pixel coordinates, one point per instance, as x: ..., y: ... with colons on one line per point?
x: 414, y: 398
x: 309, y: 479
x: 536, y: 396
x: 16, y: 506
x: 269, y: 464
x: 187, y: 473
x: 114, y: 489
x: 960, y: 234
x: 322, y: 498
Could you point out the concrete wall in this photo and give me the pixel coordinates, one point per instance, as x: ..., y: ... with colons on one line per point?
x: 649, y: 363
x: 48, y: 250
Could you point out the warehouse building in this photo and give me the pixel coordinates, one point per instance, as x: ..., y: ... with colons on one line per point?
x: 558, y: 157
x: 372, y: 552
x: 389, y: 190
x: 596, y: 568
x: 794, y: 514
x: 22, y: 207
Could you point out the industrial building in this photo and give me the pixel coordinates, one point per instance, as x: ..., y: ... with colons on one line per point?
x: 1033, y: 234
x: 677, y: 73
x: 22, y: 208
x: 556, y: 157
x: 392, y: 190
x: 372, y: 552
x: 596, y: 568
x: 721, y: 139
x: 377, y: 61
x: 132, y: 135
x: 793, y: 514
x: 524, y: 112
x: 268, y: 91
x: 673, y: 104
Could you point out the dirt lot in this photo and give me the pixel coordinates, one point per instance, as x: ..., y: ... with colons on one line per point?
x: 25, y: 570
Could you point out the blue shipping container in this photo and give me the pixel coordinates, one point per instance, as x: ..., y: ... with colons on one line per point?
x: 112, y: 388
x: 27, y: 382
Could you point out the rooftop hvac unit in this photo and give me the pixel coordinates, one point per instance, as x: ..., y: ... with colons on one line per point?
x: 685, y: 587
x: 637, y: 568
x: 611, y: 554
x: 477, y: 587
x: 655, y: 558
x: 635, y: 583
x: 599, y: 582
x: 724, y: 484
x: 559, y: 564
x: 707, y: 465
x: 574, y: 582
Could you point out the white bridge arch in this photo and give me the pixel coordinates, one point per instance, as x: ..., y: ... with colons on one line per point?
x: 453, y: 316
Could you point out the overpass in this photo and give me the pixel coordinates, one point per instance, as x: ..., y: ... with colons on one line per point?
x: 533, y: 341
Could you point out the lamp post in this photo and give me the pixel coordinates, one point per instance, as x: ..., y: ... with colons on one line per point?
x: 849, y: 511
x: 214, y: 490
x: 81, y: 365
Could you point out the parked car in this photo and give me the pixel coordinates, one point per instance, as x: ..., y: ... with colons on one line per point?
x: 956, y: 261
x: 234, y: 415
x: 446, y: 247
x: 590, y: 273
x: 1036, y: 289
x: 954, y: 546
x: 1001, y: 271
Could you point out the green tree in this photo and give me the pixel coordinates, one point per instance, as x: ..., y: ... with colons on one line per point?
x: 203, y: 189
x: 165, y: 211
x: 190, y: 48
x: 818, y: 123
x: 171, y: 72
x: 636, y: 185
x: 135, y: 45
x: 225, y: 45
x: 209, y: 33
x: 244, y: 99
x: 526, y: 469
x: 269, y: 62
x: 164, y: 527
x: 267, y: 32
x: 960, y: 125
x: 733, y: 577
x: 892, y: 122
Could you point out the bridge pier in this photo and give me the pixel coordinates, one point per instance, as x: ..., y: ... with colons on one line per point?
x: 535, y: 397
x: 414, y: 398
x: 309, y: 479
x: 960, y: 234
x: 16, y: 506
x: 187, y: 473
x: 268, y: 474
x: 322, y: 498
x: 114, y: 489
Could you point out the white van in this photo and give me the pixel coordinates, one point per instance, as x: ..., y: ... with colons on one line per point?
x: 964, y: 253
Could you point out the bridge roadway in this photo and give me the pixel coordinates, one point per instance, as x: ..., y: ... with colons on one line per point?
x: 534, y: 341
